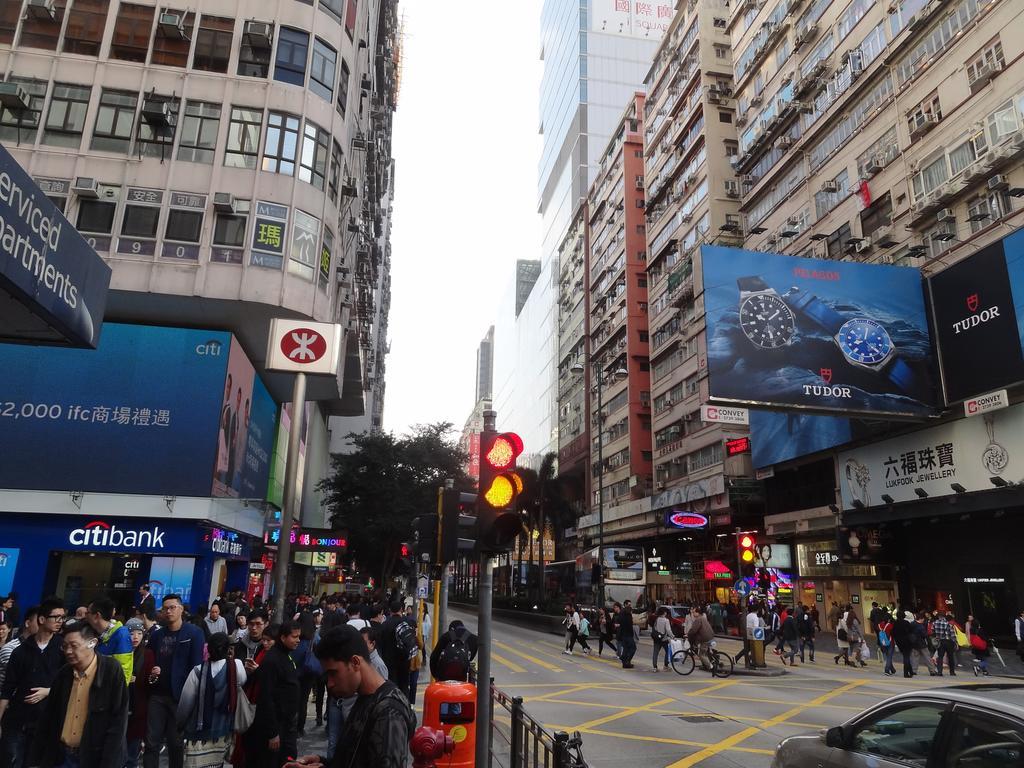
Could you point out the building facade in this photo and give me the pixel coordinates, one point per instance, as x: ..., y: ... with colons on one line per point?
x: 231, y: 165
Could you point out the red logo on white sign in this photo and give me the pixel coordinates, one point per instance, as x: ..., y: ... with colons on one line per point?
x: 303, y: 345
x: 712, y: 413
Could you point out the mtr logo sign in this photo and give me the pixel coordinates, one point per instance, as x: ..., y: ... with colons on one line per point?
x: 103, y: 535
x: 300, y: 346
x: 303, y: 345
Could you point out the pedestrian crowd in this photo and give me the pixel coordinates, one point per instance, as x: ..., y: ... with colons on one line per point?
x: 227, y: 683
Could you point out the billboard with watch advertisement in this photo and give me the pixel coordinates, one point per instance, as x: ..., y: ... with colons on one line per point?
x: 968, y: 453
x: 828, y: 336
x: 978, y: 307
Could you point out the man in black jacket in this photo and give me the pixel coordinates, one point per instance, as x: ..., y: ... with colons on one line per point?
x: 30, y: 674
x: 390, y: 648
x: 86, y: 713
x: 378, y: 729
x: 623, y: 620
x: 273, y: 736
x: 453, y: 654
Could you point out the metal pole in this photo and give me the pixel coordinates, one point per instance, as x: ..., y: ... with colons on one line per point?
x: 441, y: 619
x: 483, y: 663
x: 600, y: 490
x: 290, y: 503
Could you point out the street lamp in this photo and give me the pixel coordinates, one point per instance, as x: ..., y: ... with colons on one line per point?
x: 620, y: 374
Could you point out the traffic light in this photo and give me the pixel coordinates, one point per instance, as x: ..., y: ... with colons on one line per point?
x: 404, y: 563
x: 498, y: 523
x: 424, y: 538
x: 746, y: 556
x: 458, y: 521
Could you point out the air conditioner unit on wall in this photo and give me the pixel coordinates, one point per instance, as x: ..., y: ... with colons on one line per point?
x: 85, y: 187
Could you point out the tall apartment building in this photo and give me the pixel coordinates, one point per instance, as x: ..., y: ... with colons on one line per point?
x: 232, y: 163
x: 888, y: 133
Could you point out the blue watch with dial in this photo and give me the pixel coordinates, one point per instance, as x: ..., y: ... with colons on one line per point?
x: 864, y: 342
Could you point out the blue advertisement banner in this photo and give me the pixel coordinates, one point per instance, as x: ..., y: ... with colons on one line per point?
x: 45, y: 263
x: 791, y: 332
x: 8, y: 566
x: 140, y: 414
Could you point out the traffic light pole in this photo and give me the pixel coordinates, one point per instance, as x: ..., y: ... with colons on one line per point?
x: 483, y: 664
x: 290, y: 502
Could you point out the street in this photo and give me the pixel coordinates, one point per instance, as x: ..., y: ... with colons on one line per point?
x: 637, y: 717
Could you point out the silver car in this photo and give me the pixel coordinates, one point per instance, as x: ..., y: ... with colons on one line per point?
x: 973, y: 726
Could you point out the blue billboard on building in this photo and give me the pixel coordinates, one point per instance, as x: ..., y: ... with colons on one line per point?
x: 47, y: 266
x: 837, y: 337
x: 149, y: 412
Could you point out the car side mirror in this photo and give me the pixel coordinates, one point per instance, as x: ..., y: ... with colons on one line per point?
x: 835, y: 737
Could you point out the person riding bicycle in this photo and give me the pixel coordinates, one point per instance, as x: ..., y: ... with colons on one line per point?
x: 700, y: 635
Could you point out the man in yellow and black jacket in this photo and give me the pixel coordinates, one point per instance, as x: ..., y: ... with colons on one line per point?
x: 114, y: 639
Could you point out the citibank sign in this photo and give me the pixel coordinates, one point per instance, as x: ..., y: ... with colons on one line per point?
x: 99, y: 533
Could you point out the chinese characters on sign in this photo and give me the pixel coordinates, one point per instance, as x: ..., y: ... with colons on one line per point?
x: 904, y: 467
x: 118, y: 415
x: 271, y: 226
x: 635, y: 18
x: 305, y: 239
x: 325, y: 259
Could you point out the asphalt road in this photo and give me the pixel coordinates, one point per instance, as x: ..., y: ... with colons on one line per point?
x: 637, y: 717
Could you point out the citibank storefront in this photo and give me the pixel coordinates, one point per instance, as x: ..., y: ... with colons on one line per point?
x: 79, y: 558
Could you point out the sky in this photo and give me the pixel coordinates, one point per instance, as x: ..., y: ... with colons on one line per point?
x: 466, y: 148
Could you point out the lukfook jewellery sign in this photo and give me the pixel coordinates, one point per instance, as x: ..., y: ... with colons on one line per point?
x: 967, y: 452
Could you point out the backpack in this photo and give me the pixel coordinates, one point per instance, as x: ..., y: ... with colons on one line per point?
x: 585, y: 627
x: 883, y: 638
x: 405, y: 640
x: 453, y: 661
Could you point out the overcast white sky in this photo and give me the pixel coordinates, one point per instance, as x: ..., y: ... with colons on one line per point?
x: 466, y: 147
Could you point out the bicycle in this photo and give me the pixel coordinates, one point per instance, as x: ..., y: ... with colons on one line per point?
x: 685, y: 660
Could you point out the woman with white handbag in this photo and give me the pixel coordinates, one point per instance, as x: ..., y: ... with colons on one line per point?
x: 208, y: 704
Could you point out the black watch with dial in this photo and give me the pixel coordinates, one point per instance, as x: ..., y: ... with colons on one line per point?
x: 765, y: 318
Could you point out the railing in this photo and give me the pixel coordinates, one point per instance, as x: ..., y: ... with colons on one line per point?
x: 519, y: 741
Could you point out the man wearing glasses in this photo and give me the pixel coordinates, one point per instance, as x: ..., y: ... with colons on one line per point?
x: 177, y: 649
x: 30, y: 673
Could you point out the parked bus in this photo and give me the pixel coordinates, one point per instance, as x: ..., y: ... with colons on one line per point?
x: 624, y: 573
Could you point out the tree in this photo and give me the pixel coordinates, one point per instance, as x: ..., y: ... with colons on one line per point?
x: 375, y: 491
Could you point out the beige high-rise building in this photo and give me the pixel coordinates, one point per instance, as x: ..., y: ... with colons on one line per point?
x: 888, y: 132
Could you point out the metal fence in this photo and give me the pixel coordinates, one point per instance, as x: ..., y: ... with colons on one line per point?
x: 519, y: 741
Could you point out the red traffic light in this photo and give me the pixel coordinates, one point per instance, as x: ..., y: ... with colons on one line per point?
x: 405, y: 551
x: 503, y: 450
x: 746, y: 542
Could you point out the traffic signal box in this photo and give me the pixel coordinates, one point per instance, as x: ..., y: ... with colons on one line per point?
x: 424, y: 538
x: 746, y: 556
x: 458, y: 523
x: 498, y: 523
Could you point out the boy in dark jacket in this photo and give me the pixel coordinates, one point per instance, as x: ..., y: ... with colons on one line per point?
x: 87, y: 709
x: 273, y: 736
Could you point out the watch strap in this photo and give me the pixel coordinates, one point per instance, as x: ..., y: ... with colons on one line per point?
x: 816, y: 310
x: 751, y: 284
x: 903, y: 376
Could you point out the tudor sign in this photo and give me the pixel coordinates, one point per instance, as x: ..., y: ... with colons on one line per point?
x: 298, y: 345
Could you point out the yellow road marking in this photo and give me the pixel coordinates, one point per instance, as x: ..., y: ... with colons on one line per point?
x: 655, y: 739
x: 779, y: 701
x: 710, y: 688
x: 627, y: 712
x: 547, y: 696
x: 505, y: 662
x: 528, y: 657
x: 746, y: 733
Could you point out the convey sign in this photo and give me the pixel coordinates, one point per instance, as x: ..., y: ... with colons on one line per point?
x: 297, y: 345
x: 47, y: 266
x: 985, y: 403
x: 718, y: 414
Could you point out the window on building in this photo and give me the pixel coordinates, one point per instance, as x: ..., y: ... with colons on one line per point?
x: 41, y: 31
x: 282, y: 143
x: 1002, y: 122
x: 932, y: 173
x: 323, y: 69
x: 938, y: 240
x: 725, y: 117
x: 213, y: 44
x: 229, y: 228
x: 987, y: 62
x: 343, y: 88
x: 171, y: 42
x: 254, y: 52
x: 927, y: 112
x: 199, y: 128
x: 156, y: 135
x: 84, y: 31
x: 316, y: 143
x: 114, y: 121
x: 334, y: 8
x: 243, y: 137
x: 876, y: 215
x: 96, y: 216
x: 334, y: 178
x: 350, y: 19
x: 21, y: 126
x: 140, y: 221
x: 131, y: 32
x: 65, y: 122
x: 721, y: 51
x: 720, y: 23
x: 836, y: 242
x: 987, y: 208
x: 184, y: 226
x: 292, y: 52
x: 10, y: 13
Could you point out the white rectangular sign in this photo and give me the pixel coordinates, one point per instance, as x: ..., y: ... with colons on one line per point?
x: 993, y: 401
x: 967, y: 452
x: 300, y: 345
x: 649, y: 19
x: 720, y: 414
